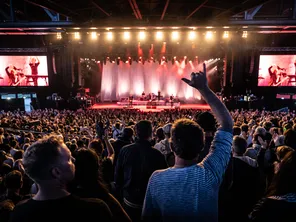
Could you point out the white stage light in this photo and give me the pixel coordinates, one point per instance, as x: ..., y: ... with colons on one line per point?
x: 192, y: 35
x: 94, y: 35
x: 126, y: 35
x: 109, y: 36
x: 175, y: 36
x: 209, y: 35
x: 226, y: 35
x: 245, y: 34
x: 159, y: 35
x: 59, y: 35
x: 76, y: 35
x: 142, y: 35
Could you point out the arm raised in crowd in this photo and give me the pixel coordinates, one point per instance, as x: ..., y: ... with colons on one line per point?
x: 217, y: 159
x: 199, y: 82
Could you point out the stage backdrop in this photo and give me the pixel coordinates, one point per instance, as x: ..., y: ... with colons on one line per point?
x: 122, y: 80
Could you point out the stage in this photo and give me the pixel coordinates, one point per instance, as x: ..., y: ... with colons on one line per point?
x: 143, y: 108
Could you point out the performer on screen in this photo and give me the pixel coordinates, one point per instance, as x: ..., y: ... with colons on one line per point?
x: 275, y: 73
x: 14, y: 75
x: 34, y: 63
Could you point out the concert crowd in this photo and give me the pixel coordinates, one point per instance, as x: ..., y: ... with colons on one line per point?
x: 128, y: 165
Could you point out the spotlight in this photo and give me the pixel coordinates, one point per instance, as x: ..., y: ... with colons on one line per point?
x: 142, y: 35
x: 126, y: 36
x: 225, y: 35
x: 245, y: 34
x: 94, y: 35
x: 76, y: 35
x: 209, y: 35
x: 175, y: 35
x: 59, y: 35
x: 109, y: 36
x: 192, y: 35
x: 159, y: 35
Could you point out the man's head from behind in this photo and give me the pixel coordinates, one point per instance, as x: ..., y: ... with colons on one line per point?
x: 207, y: 121
x: 239, y: 146
x: 128, y: 133
x: 13, y: 180
x: 49, y: 161
x: 187, y: 139
x: 144, y: 130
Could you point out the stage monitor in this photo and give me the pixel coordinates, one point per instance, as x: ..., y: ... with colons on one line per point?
x: 277, y: 70
x: 23, y: 71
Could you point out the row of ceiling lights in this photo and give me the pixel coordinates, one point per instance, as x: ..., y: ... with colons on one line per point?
x: 175, y: 35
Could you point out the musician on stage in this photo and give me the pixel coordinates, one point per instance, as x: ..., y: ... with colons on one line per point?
x: 13, y: 74
x: 172, y: 101
x: 131, y: 98
x: 158, y: 95
x: 34, y: 63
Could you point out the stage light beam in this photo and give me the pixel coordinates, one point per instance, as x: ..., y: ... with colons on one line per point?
x: 94, y: 35
x: 126, y: 36
x: 226, y: 35
x: 159, y: 35
x: 109, y: 36
x: 175, y: 36
x: 192, y: 35
x: 76, y: 35
x: 142, y: 35
x: 209, y: 35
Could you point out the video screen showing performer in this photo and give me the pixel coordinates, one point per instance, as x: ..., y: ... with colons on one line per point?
x: 23, y: 71
x: 277, y: 70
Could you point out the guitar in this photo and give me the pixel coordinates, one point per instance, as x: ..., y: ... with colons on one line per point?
x: 20, y: 81
x: 280, y: 82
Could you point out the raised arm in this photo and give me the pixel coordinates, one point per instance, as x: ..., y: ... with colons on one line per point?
x: 110, y: 150
x: 199, y: 82
x: 217, y: 159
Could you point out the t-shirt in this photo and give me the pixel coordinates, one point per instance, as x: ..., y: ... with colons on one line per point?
x: 68, y: 208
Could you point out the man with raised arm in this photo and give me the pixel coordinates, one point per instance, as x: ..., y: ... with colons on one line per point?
x: 189, y: 191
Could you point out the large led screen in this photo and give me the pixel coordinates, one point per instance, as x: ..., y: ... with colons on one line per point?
x: 277, y: 70
x: 23, y: 71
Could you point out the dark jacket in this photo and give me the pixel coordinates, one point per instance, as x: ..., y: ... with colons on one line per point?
x: 273, y: 210
x: 135, y: 164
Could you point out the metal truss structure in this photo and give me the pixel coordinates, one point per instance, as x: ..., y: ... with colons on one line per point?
x: 47, y: 16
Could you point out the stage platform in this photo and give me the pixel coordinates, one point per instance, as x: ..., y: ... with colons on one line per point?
x: 144, y: 108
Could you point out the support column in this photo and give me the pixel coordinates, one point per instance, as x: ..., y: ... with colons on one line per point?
x: 12, y: 15
x: 294, y: 10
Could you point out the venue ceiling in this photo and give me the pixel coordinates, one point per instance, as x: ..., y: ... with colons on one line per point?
x: 50, y: 16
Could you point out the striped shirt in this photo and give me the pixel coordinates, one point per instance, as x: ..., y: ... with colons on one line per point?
x: 189, y: 193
